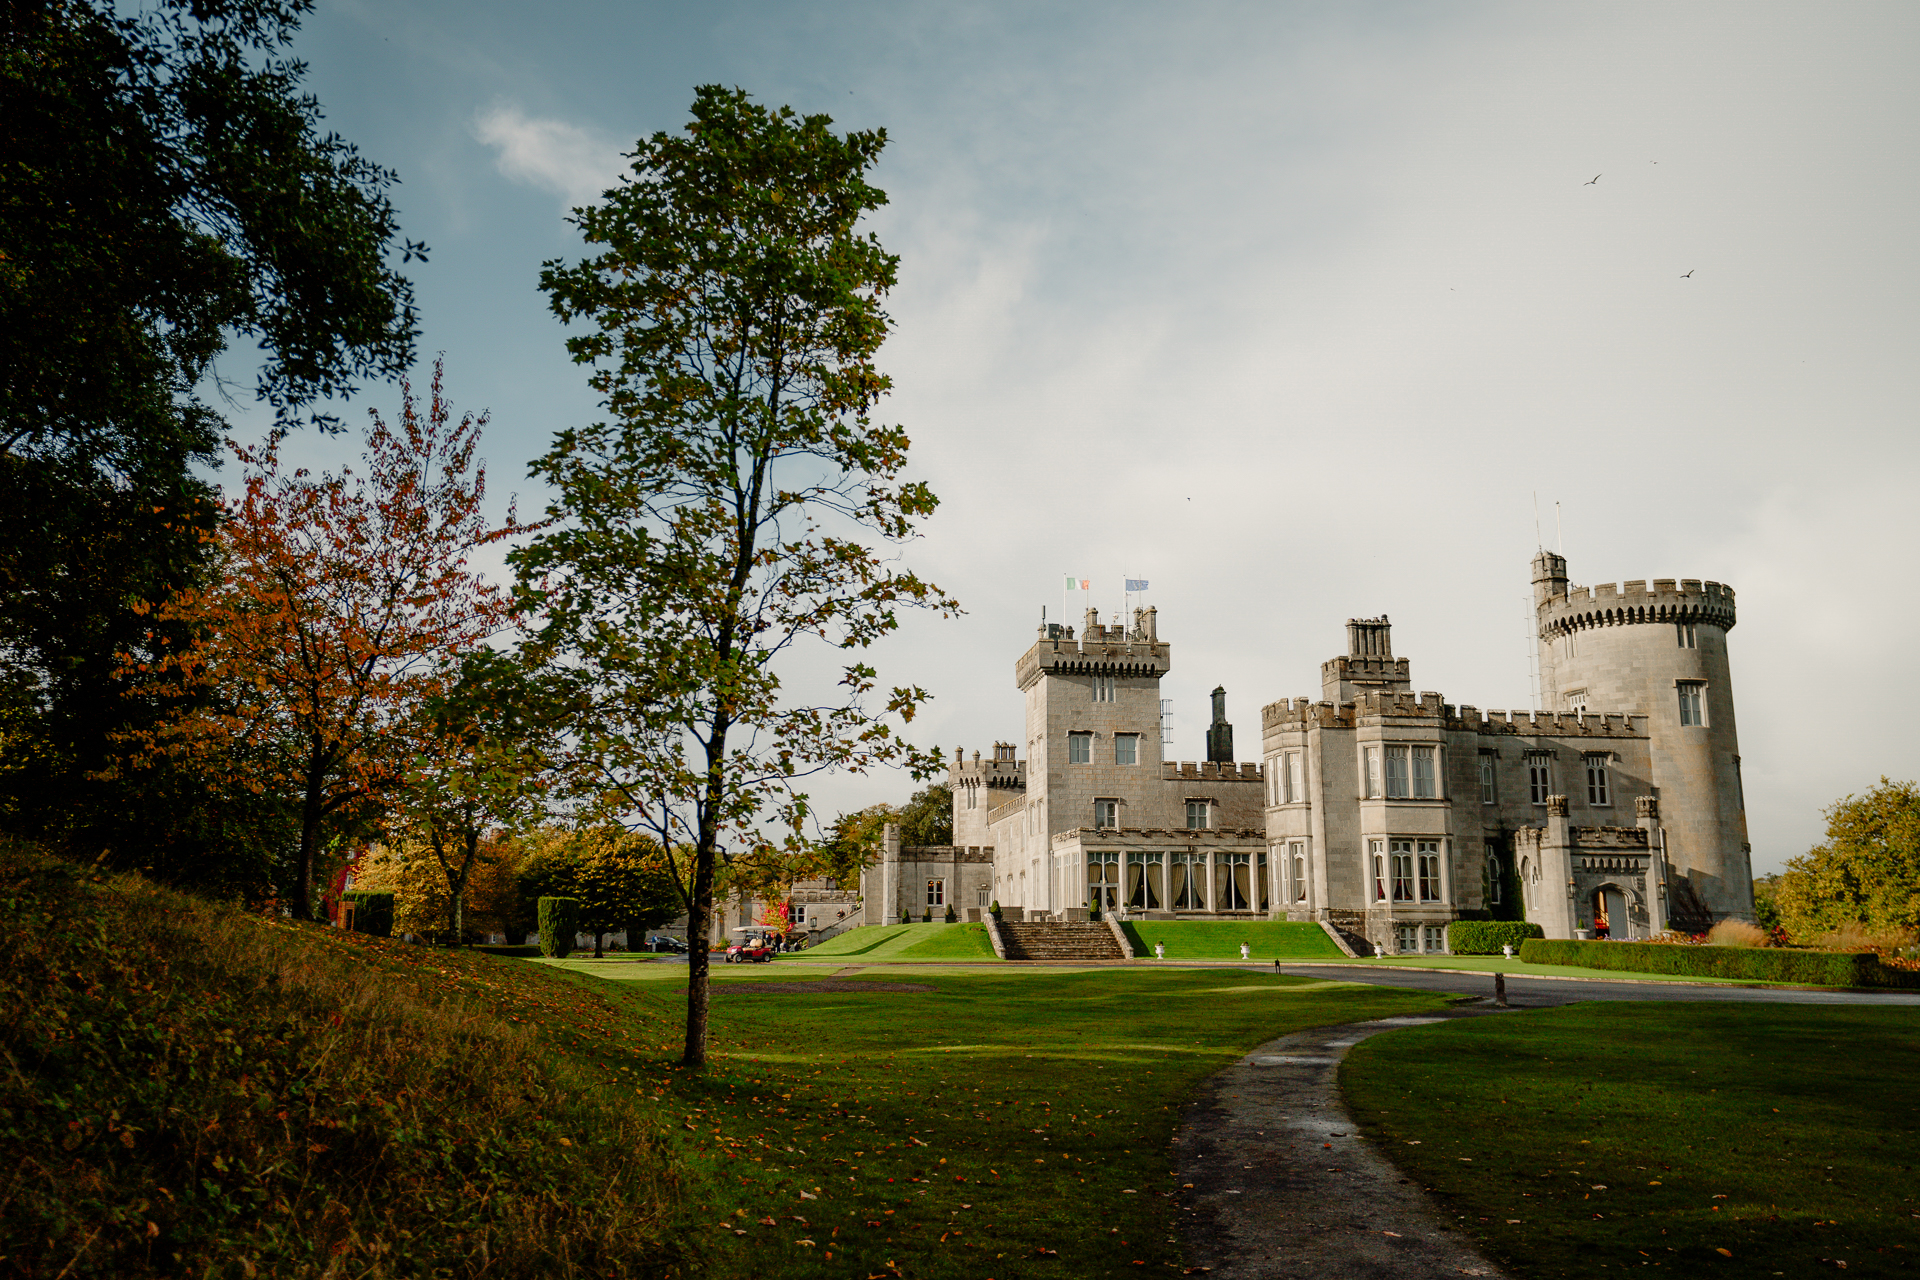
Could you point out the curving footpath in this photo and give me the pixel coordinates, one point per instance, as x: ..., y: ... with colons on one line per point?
x: 1283, y: 1186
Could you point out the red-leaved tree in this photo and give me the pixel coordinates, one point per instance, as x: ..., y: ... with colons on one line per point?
x: 340, y: 601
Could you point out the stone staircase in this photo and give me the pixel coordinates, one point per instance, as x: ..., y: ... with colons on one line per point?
x: 1037, y: 940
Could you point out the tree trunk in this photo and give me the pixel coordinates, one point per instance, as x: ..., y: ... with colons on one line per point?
x: 599, y: 944
x: 309, y: 854
x: 699, y: 963
x: 456, y: 881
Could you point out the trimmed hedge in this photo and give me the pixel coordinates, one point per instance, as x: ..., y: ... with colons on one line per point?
x: 1759, y: 964
x: 1486, y: 937
x: 559, y: 922
x: 372, y: 912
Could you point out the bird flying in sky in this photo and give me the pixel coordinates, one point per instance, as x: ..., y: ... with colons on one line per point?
x: 1595, y: 178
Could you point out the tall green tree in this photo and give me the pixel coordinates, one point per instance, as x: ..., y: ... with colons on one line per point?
x: 739, y: 498
x: 1867, y: 873
x: 927, y: 817
x: 620, y: 878
x: 166, y: 190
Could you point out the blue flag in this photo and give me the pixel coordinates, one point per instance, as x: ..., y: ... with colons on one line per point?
x: 1136, y: 584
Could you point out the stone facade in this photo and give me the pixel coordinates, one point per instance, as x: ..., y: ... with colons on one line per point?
x: 1094, y: 814
x: 1661, y: 652
x: 1391, y: 813
x: 1381, y: 811
x: 922, y: 881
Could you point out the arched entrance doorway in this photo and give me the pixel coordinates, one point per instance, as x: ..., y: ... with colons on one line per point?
x: 1610, y: 913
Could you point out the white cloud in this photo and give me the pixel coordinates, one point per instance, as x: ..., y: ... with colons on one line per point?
x: 574, y: 163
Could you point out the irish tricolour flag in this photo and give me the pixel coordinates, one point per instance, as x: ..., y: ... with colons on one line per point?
x: 1079, y: 584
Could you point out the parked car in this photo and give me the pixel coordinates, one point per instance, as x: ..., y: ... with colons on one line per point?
x: 664, y: 942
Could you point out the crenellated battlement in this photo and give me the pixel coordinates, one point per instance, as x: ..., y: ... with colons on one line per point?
x: 1306, y: 713
x: 1211, y: 771
x: 1300, y: 714
x: 1585, y: 839
x: 1547, y: 724
x: 1634, y: 603
x: 1001, y: 771
x: 1110, y: 653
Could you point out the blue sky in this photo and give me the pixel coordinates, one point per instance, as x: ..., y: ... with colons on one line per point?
x: 1289, y: 308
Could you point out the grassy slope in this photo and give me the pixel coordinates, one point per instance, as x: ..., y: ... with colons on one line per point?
x: 953, y: 942
x: 1781, y: 1135
x: 1220, y: 940
x: 191, y: 1090
x: 955, y: 1133
x: 868, y: 936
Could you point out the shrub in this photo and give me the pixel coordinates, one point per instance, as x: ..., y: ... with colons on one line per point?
x: 1858, y: 937
x: 1738, y: 933
x: 953, y: 917
x: 559, y: 922
x: 372, y: 912
x: 994, y: 909
x: 1486, y: 937
x: 1770, y: 964
x: 926, y: 917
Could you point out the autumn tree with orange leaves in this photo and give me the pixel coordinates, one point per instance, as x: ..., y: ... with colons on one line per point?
x: 342, y: 602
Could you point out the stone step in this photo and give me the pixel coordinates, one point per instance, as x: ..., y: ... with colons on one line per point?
x: 1037, y: 940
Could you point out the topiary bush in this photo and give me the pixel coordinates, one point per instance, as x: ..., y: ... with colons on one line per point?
x: 1486, y: 937
x: 926, y: 917
x: 1758, y: 964
x: 953, y: 916
x: 372, y: 912
x: 994, y: 910
x: 559, y: 922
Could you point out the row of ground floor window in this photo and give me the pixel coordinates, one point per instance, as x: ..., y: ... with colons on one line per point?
x: 1401, y: 871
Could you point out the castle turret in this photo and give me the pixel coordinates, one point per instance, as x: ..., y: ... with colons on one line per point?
x: 1369, y: 663
x: 1660, y: 651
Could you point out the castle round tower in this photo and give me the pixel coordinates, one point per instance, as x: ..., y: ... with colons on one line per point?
x: 1661, y: 652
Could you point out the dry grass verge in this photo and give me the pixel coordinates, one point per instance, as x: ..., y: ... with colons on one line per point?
x: 185, y: 1089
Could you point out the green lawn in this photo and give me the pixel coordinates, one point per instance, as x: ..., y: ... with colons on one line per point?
x: 1731, y: 1140
x: 1217, y: 940
x: 955, y: 1132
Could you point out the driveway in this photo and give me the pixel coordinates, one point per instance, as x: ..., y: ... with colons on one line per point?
x: 1544, y: 993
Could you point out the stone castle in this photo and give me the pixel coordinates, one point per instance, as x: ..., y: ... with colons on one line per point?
x: 1378, y: 811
